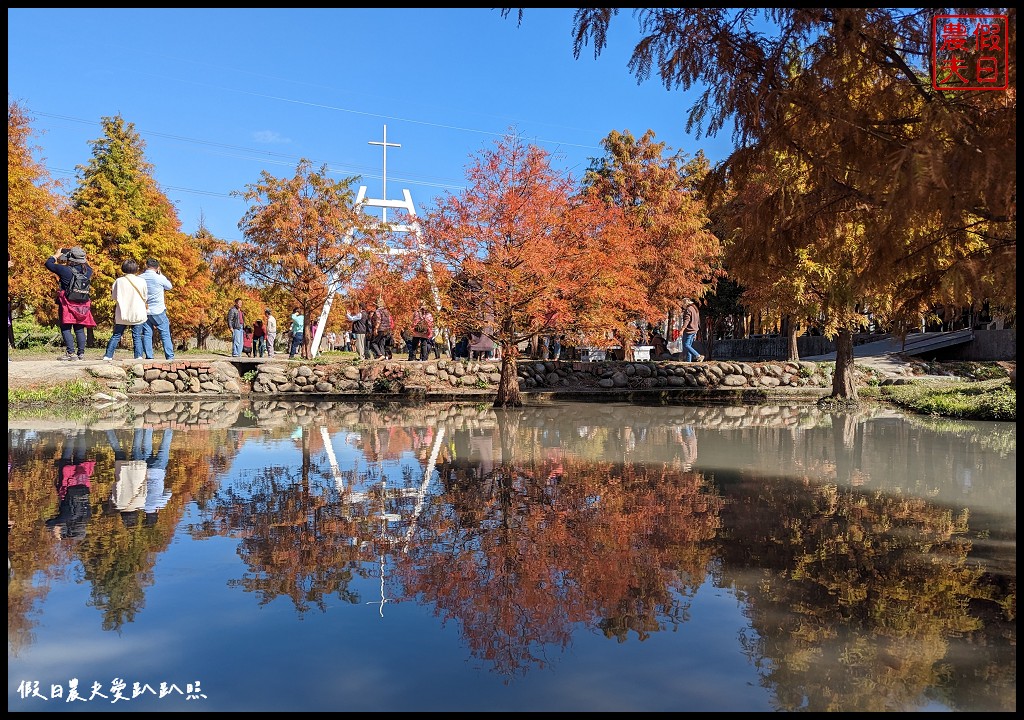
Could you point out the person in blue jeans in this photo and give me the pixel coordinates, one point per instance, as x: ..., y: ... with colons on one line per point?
x: 691, y: 324
x: 129, y: 293
x: 298, y: 326
x: 156, y: 472
x: 236, y: 323
x: 153, y: 496
x: 157, y: 320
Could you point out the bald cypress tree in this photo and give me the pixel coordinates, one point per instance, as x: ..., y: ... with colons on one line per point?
x: 905, y: 195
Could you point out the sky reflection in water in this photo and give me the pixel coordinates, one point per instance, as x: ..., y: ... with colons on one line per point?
x: 275, y: 556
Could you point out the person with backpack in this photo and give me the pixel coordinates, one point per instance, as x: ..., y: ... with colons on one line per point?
x: 74, y: 303
x: 74, y: 481
x: 129, y: 295
x: 383, y: 332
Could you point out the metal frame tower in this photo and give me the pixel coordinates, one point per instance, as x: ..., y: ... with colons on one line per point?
x: 413, y: 227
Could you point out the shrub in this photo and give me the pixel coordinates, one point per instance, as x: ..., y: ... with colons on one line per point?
x: 30, y: 334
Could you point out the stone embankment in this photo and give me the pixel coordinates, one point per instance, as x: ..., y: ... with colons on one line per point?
x: 442, y: 378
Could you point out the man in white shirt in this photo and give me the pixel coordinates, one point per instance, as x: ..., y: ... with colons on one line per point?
x: 156, y: 283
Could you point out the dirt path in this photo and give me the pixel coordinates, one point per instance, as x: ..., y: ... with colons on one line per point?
x: 36, y: 373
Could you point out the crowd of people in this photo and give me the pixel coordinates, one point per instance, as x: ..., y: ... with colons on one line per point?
x: 130, y: 293
x: 139, y: 307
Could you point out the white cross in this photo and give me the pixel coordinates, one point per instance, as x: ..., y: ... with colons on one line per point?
x: 386, y: 145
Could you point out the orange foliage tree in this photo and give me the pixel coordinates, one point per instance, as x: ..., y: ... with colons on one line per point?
x: 907, y: 193
x: 304, y: 236
x: 38, y: 219
x: 677, y: 254
x: 527, y: 247
x: 208, y: 316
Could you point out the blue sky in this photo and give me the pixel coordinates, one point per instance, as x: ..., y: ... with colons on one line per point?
x: 220, y: 95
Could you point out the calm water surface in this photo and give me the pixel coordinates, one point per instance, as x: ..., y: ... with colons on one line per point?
x: 577, y: 557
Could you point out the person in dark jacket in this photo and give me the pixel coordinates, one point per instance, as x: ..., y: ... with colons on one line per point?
x: 74, y: 479
x: 74, y: 317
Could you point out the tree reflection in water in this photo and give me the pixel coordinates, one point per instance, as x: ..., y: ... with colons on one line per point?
x: 862, y: 586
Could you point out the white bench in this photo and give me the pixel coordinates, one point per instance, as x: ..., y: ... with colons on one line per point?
x: 642, y: 352
x: 590, y: 354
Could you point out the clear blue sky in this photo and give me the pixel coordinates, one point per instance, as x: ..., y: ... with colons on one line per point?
x: 220, y: 95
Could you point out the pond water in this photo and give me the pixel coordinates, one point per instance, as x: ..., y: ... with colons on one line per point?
x: 271, y: 556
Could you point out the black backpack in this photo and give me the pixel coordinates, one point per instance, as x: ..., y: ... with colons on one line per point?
x: 79, y: 289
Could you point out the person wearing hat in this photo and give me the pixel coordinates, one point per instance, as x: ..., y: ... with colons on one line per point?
x: 74, y: 317
x: 691, y: 324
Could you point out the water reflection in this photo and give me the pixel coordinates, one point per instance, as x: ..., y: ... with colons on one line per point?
x: 871, y: 556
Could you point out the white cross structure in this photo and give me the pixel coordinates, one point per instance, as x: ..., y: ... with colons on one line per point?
x: 363, y: 203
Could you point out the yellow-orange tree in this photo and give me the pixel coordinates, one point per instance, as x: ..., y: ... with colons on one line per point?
x: 126, y: 215
x: 914, y: 187
x: 529, y: 247
x: 39, y: 220
x: 226, y: 284
x: 676, y: 253
x: 305, y: 236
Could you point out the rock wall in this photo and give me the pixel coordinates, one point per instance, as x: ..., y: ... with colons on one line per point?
x: 396, y: 378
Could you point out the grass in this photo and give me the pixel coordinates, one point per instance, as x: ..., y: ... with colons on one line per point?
x: 966, y: 400
x: 65, y: 398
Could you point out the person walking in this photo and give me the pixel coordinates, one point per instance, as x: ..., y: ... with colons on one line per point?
x: 271, y: 331
x: 156, y: 284
x: 129, y: 294
x: 360, y: 327
x: 691, y: 324
x: 74, y: 307
x: 298, y: 324
x: 422, y: 331
x: 236, y: 324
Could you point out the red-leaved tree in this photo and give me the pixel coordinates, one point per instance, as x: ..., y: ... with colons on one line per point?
x: 529, y: 253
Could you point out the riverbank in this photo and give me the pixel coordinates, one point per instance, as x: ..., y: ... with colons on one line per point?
x: 979, y: 391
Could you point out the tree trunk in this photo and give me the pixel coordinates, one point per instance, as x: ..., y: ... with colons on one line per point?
x: 843, y: 381
x: 508, y: 436
x: 844, y: 435
x: 707, y: 328
x: 793, y: 329
x: 508, y: 394
x: 307, y: 336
